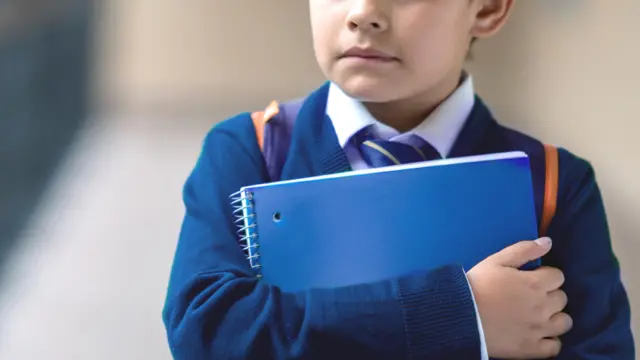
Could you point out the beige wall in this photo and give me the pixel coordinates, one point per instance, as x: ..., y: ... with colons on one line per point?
x: 207, y: 55
x: 566, y: 71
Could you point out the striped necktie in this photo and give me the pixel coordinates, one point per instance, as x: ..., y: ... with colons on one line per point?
x: 379, y: 153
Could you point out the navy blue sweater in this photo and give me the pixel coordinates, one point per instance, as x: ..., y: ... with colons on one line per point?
x: 216, y: 308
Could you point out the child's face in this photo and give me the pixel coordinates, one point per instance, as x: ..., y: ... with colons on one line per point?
x: 407, y: 47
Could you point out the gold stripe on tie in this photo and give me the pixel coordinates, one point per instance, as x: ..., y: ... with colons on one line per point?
x: 382, y: 150
x: 417, y: 149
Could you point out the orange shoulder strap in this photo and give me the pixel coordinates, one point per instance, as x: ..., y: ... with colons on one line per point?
x: 261, y: 118
x: 550, y: 188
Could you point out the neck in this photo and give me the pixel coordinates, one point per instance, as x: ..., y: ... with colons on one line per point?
x: 407, y: 113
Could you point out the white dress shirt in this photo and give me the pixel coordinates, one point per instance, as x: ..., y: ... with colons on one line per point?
x: 440, y: 129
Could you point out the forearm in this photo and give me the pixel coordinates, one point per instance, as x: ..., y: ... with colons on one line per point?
x: 417, y: 316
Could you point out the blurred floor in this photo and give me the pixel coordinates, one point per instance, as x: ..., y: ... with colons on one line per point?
x: 89, y: 278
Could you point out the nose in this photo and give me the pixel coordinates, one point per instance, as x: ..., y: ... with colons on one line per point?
x: 367, y: 15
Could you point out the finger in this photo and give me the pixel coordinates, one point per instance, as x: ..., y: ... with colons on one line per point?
x: 557, y: 301
x: 559, y: 324
x: 548, y: 348
x: 555, y: 279
x: 546, y: 278
x: 521, y: 253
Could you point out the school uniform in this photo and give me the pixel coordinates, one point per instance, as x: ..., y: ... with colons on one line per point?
x: 216, y: 308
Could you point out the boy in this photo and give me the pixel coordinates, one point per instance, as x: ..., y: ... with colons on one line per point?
x: 395, y: 72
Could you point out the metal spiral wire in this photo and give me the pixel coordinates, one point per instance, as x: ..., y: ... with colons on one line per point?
x: 246, y: 222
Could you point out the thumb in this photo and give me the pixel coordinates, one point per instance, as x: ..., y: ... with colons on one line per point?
x: 519, y: 254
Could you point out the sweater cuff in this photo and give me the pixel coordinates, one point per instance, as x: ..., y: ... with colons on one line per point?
x: 439, y: 315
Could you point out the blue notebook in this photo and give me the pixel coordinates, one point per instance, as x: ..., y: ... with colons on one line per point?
x: 366, y: 226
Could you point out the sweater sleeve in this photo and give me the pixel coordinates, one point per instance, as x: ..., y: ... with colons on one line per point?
x: 216, y: 308
x: 582, y: 248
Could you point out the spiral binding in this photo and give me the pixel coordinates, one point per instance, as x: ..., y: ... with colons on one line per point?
x: 242, y: 202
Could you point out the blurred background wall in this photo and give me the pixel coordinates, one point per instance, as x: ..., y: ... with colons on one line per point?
x: 210, y: 57
x: 86, y: 279
x: 44, y: 61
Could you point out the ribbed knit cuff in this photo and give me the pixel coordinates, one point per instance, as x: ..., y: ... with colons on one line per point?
x: 439, y: 315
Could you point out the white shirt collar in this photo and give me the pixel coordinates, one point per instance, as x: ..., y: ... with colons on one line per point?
x: 440, y: 129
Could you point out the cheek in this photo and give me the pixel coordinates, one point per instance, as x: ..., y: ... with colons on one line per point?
x: 322, y: 54
x: 432, y: 54
x: 323, y: 42
x: 432, y: 40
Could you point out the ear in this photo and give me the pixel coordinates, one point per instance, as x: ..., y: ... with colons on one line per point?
x: 491, y: 15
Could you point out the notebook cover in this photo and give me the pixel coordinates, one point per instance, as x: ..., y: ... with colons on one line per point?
x: 370, y: 225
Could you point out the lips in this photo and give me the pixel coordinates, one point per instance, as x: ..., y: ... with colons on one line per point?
x: 368, y: 54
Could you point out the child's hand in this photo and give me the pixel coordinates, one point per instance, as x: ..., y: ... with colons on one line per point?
x: 521, y: 311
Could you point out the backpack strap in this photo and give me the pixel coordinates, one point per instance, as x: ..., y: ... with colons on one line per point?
x: 550, y: 187
x: 260, y: 120
x: 274, y: 128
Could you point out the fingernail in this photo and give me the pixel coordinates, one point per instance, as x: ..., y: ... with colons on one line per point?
x: 544, y: 241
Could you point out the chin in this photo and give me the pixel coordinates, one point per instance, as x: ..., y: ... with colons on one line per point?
x: 370, y: 89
